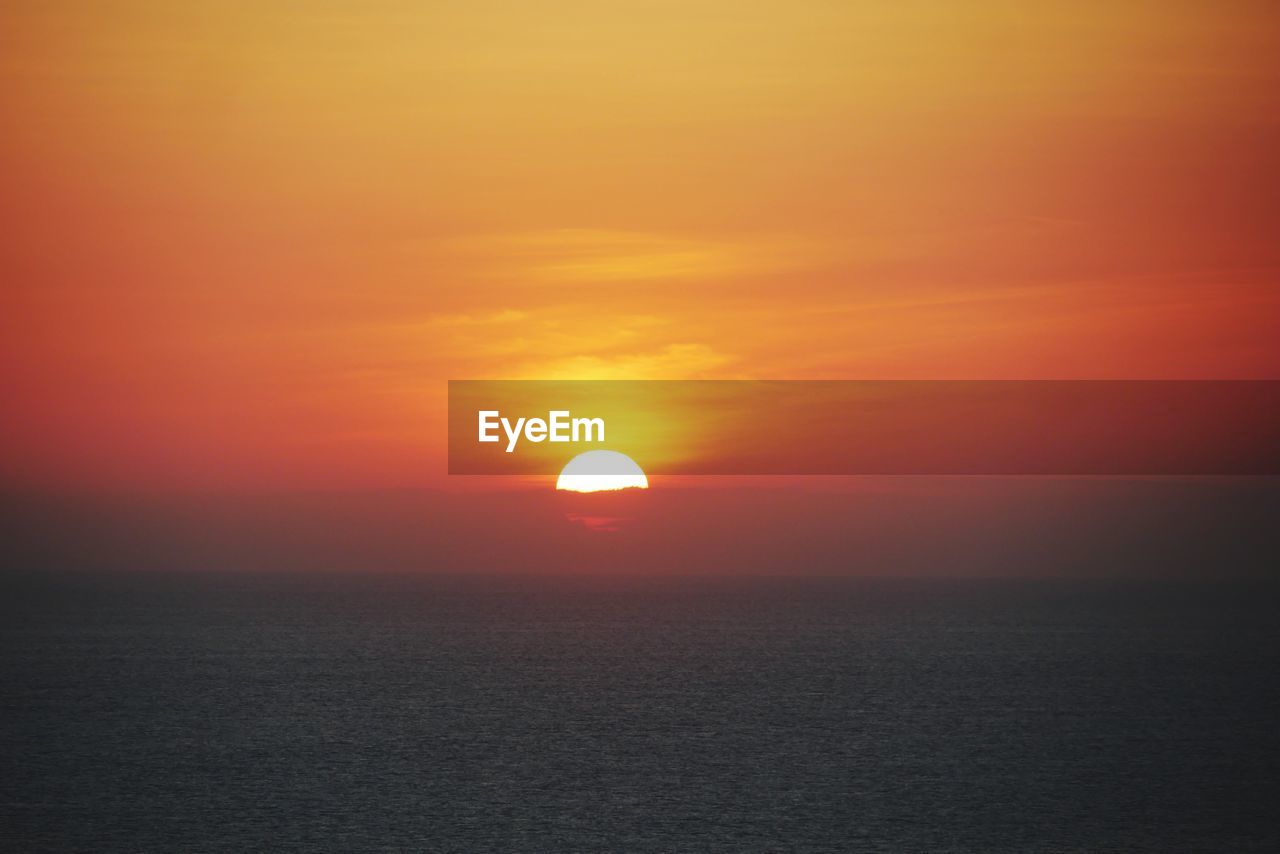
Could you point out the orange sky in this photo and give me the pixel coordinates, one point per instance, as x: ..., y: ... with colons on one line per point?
x: 246, y: 243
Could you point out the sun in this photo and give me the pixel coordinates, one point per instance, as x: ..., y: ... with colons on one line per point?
x: 600, y: 471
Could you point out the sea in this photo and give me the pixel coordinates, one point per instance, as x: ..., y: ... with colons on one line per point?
x: 194, y: 712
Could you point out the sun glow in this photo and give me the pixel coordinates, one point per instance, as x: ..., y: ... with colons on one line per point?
x: 601, y: 471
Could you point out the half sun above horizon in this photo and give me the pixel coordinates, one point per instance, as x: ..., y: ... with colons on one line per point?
x: 601, y: 471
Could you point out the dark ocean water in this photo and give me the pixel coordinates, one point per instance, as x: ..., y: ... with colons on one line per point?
x: 237, y: 713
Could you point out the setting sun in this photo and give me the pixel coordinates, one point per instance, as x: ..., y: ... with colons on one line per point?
x: 601, y: 471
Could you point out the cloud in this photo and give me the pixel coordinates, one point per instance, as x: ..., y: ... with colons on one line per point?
x: 674, y: 361
x: 573, y: 256
x: 563, y: 341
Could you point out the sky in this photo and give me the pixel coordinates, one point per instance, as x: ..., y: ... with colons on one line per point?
x: 245, y: 244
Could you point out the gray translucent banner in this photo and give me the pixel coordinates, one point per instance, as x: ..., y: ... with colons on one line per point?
x: 755, y: 427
